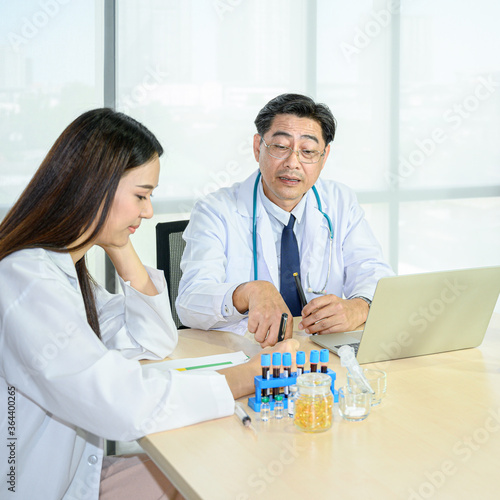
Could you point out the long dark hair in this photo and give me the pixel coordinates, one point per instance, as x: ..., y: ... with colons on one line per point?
x: 74, y: 186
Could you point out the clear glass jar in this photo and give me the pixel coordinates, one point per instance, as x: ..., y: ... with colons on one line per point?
x: 314, y: 403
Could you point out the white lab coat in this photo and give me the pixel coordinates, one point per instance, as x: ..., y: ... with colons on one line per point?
x: 218, y: 254
x: 71, y: 389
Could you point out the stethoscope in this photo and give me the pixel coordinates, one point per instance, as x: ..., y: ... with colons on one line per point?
x: 254, y: 237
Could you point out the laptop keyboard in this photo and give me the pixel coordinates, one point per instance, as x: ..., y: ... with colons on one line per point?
x: 355, y: 346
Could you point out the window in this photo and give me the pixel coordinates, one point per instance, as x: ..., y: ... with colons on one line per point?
x: 50, y: 59
x: 415, y: 87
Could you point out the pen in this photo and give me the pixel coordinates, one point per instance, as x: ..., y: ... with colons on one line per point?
x: 242, y: 415
x: 281, y: 333
x: 302, y: 297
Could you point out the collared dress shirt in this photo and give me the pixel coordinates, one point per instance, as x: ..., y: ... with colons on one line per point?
x: 219, y: 250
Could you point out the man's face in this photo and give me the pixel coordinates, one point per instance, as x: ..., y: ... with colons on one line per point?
x: 286, y: 180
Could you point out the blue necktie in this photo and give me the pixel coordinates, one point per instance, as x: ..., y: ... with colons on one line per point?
x: 290, y: 263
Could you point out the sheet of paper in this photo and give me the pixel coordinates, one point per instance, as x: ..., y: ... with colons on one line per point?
x: 215, y: 362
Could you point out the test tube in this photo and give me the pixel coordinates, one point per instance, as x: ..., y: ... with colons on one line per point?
x: 276, y: 370
x: 291, y: 400
x: 265, y: 362
x: 313, y: 359
x: 301, y: 361
x: 324, y: 357
x: 287, y: 370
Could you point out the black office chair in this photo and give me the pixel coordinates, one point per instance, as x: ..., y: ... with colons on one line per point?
x: 169, y: 248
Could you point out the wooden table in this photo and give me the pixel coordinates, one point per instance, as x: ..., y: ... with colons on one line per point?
x: 435, y: 435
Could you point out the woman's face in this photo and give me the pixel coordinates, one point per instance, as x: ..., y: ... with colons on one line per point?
x: 131, y: 204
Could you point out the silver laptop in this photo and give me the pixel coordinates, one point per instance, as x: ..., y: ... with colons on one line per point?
x: 420, y: 314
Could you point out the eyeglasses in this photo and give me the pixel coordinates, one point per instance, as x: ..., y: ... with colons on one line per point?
x: 281, y: 152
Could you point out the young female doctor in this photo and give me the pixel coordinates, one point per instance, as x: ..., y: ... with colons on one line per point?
x: 69, y: 349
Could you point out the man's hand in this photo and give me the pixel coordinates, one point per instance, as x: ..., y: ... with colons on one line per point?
x: 265, y: 306
x: 331, y: 314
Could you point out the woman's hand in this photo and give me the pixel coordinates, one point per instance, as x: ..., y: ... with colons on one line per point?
x: 241, y: 378
x: 130, y: 268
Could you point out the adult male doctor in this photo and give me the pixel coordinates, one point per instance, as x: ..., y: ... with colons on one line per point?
x: 236, y: 247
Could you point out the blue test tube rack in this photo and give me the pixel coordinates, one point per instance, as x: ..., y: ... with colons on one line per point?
x: 255, y: 401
